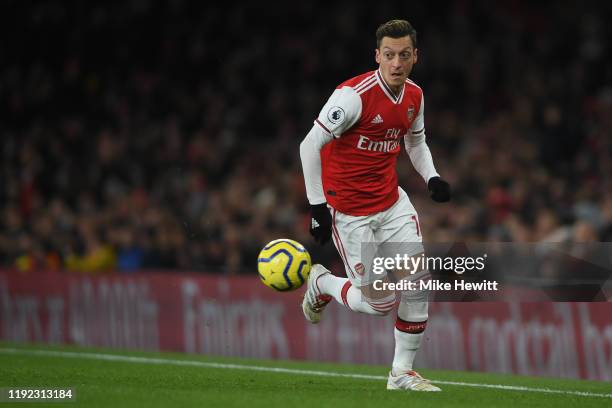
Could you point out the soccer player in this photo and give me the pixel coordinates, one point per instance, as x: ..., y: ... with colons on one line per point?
x: 349, y: 163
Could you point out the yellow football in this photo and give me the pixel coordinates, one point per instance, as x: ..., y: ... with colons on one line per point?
x: 283, y: 265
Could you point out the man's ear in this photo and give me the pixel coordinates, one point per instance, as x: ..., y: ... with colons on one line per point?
x: 377, y: 56
x: 416, y: 55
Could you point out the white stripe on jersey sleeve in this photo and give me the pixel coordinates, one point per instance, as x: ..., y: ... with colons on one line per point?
x: 364, y: 83
x: 341, y: 111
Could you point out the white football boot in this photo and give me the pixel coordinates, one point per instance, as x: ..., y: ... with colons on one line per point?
x: 410, y: 381
x: 314, y: 301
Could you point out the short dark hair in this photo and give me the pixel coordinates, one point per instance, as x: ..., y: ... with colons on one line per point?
x: 396, y: 29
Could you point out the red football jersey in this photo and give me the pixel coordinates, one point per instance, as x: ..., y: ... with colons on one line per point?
x: 368, y: 123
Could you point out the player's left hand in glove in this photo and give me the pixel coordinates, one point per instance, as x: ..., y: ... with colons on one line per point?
x: 439, y: 190
x: 320, y: 223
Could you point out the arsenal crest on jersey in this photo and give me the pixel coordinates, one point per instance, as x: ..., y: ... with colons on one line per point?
x: 410, y: 113
x: 360, y: 269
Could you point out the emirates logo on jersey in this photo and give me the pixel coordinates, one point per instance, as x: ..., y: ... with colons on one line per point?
x: 410, y: 113
x: 383, y: 146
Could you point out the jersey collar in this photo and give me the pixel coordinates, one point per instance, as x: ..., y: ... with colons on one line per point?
x: 387, y: 89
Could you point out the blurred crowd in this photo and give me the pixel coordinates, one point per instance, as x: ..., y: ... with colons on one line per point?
x: 164, y: 135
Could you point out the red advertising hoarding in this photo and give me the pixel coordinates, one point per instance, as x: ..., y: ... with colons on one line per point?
x: 238, y: 316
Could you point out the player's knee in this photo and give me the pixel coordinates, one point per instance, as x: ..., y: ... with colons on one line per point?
x: 382, y: 306
x: 414, y: 296
x: 414, y: 307
x: 380, y: 311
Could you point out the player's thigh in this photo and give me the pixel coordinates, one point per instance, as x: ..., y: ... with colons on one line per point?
x: 399, y: 237
x: 400, y: 223
x: 352, y: 236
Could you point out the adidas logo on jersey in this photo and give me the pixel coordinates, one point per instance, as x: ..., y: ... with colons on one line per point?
x: 377, y: 119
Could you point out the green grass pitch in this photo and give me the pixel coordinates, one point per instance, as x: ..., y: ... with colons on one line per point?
x: 111, y: 378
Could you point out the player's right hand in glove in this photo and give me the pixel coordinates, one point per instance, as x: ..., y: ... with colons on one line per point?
x: 439, y: 190
x: 320, y: 223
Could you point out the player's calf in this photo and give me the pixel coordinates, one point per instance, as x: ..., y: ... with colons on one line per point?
x: 412, y: 315
x: 322, y: 286
x: 357, y: 299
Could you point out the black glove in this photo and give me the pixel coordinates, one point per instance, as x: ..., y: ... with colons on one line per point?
x: 320, y: 223
x: 439, y: 190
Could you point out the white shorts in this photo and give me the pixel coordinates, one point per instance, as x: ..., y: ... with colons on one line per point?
x: 359, y: 238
